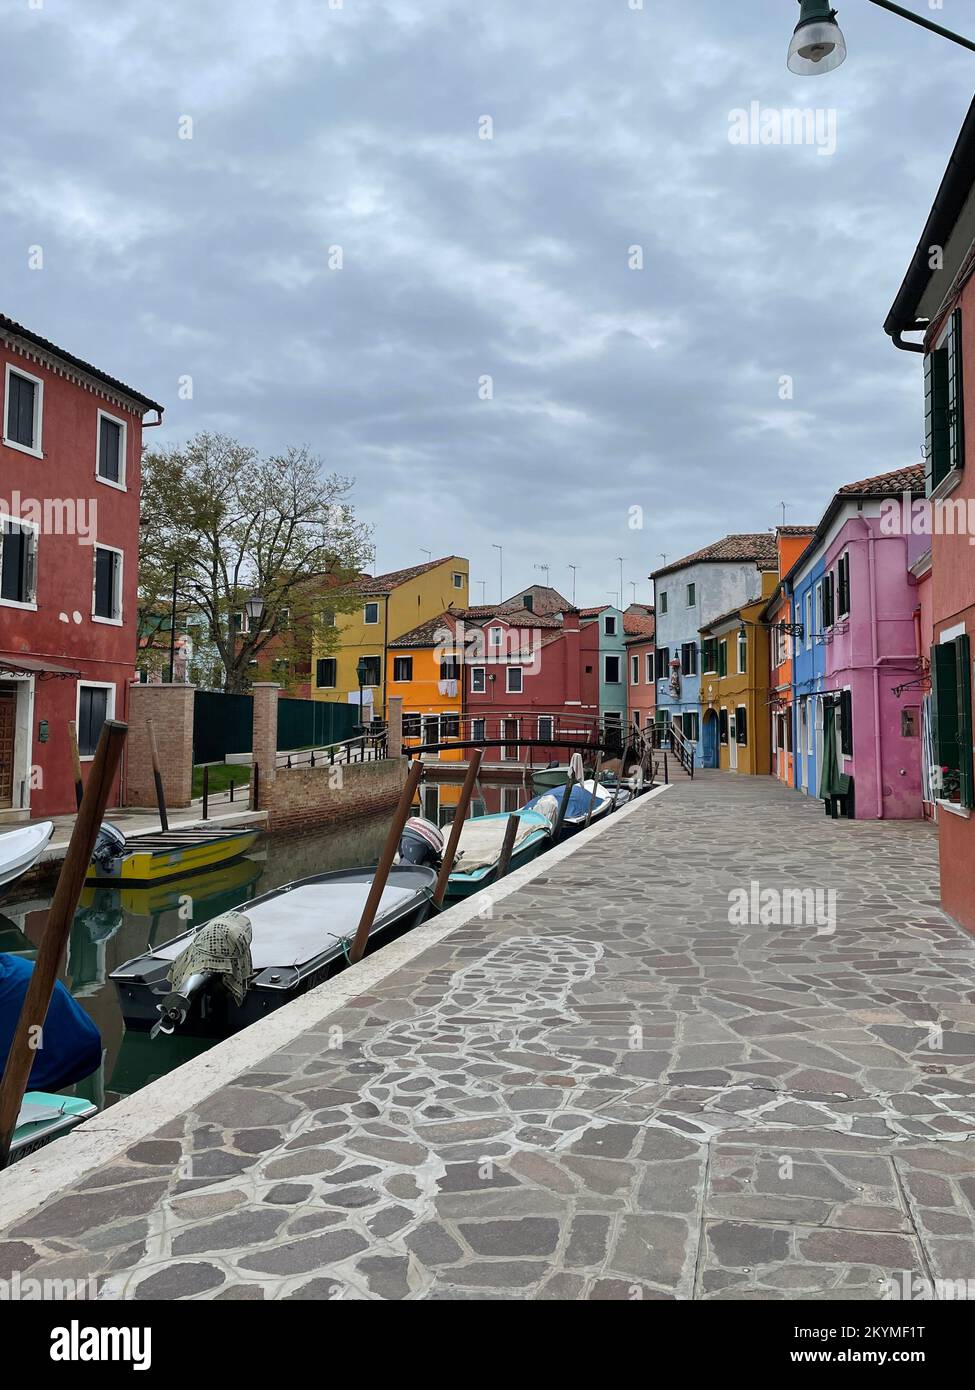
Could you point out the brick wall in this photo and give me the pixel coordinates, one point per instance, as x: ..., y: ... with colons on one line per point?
x: 170, y: 707
x: 302, y: 797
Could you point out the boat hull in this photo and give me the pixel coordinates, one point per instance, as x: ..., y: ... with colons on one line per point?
x: 152, y: 859
x: 464, y: 885
x: 31, y: 1135
x: 20, y: 850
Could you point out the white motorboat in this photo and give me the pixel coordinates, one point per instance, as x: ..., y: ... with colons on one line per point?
x: 20, y: 850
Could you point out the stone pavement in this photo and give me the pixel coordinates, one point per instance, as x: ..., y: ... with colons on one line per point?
x: 606, y: 1090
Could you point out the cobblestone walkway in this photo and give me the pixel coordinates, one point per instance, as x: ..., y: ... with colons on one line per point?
x: 608, y: 1090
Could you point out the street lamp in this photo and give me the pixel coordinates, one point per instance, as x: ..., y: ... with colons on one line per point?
x: 254, y: 607
x: 818, y: 45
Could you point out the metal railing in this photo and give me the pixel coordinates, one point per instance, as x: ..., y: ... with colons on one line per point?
x: 521, y: 731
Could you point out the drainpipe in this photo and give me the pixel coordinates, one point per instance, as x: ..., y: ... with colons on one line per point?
x: 877, y: 737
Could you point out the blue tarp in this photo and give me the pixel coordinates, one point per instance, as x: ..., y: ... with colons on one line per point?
x: 71, y: 1045
x: 579, y: 802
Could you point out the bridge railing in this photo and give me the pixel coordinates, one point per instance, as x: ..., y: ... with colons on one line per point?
x: 516, y: 732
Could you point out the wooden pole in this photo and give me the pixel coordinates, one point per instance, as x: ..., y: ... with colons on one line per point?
x: 457, y: 825
x: 206, y: 791
x: 508, y: 845
x: 400, y: 817
x: 595, y: 786
x: 563, y: 810
x: 157, y: 775
x: 619, y: 780
x: 59, y: 921
x: 79, y: 786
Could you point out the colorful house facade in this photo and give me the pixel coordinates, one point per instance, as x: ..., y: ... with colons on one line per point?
x: 638, y: 639
x: 690, y: 593
x: 70, y: 460
x: 790, y: 542
x: 390, y: 605
x: 425, y: 669
x: 608, y: 623
x: 857, y: 723
x: 937, y: 299
x: 734, y: 687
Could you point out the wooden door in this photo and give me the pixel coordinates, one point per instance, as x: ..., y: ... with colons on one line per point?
x: 8, y: 720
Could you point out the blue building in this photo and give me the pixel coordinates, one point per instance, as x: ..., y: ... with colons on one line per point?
x: 808, y: 670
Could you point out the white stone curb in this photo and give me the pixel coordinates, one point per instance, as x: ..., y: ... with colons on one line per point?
x: 36, y: 1180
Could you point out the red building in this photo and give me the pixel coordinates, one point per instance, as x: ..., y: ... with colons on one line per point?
x: 937, y: 299
x: 529, y: 675
x: 70, y: 456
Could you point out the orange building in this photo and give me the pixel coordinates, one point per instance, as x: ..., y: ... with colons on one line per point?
x: 424, y: 668
x: 790, y: 542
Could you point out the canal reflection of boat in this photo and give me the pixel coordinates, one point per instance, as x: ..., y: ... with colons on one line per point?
x: 479, y: 848
x: 142, y: 1059
x: 20, y: 850
x: 244, y: 964
x: 165, y: 854
x: 13, y: 941
x: 103, y: 910
x: 555, y: 775
x: 46, y: 1117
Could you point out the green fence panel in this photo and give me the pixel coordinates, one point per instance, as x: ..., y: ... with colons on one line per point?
x: 222, y: 724
x: 314, y: 723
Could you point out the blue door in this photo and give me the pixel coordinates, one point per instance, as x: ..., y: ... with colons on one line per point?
x: 710, y: 739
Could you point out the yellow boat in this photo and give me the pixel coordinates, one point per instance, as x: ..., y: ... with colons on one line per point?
x: 147, y: 900
x: 164, y: 854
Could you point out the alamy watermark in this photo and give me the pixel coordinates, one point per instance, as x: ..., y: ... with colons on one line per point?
x: 769, y: 125
x: 53, y: 516
x: 918, y: 516
x: 756, y: 906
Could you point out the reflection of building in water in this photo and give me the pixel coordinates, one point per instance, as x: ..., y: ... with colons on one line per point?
x: 437, y: 801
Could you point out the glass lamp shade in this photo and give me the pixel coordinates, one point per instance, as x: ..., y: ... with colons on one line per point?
x: 255, y: 608
x: 816, y: 48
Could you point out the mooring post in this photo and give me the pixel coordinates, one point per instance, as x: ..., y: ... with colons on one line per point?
x: 157, y: 775
x: 256, y: 779
x: 206, y: 790
x: 381, y: 877
x: 595, y: 786
x: 619, y: 780
x: 457, y: 825
x: 563, y: 810
x: 79, y: 786
x: 508, y: 844
x: 23, y: 1049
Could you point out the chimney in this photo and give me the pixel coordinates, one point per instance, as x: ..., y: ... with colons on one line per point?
x: 572, y: 643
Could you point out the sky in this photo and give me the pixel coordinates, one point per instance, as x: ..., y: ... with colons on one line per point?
x: 518, y: 268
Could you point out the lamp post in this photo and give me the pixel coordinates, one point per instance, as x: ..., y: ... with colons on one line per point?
x: 254, y: 607
x: 172, y: 624
x: 818, y: 45
x: 500, y: 550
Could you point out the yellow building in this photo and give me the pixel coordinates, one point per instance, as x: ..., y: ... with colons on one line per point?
x: 425, y: 670
x: 391, y: 604
x: 735, y: 687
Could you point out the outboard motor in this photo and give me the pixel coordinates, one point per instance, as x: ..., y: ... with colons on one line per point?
x: 109, y: 847
x: 422, y: 842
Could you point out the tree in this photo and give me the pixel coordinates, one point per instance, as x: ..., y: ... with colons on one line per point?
x: 232, y: 522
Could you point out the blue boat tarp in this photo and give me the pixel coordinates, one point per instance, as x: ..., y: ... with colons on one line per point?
x: 579, y: 801
x: 70, y: 1044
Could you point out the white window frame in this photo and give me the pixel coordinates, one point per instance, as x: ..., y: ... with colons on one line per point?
x: 37, y: 451
x: 475, y: 672
x: 741, y: 645
x: 478, y: 737
x: 612, y: 656
x: 509, y: 672
x: 634, y: 670
x: 549, y: 721
x: 123, y: 446
x: 109, y: 706
x: 808, y: 614
x: 108, y: 622
x: 366, y: 620
x: 818, y: 606
x: 495, y: 636
x: 651, y: 678
x: 30, y: 526
x: 402, y: 680
x: 458, y: 579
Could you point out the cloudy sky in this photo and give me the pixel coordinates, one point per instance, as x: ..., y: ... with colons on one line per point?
x: 358, y: 124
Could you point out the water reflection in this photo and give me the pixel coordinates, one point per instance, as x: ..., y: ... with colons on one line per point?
x: 112, y: 925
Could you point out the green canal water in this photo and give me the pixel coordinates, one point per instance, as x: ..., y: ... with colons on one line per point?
x: 112, y: 926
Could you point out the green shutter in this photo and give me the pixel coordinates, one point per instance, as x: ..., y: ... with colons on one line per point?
x: 956, y: 398
x: 945, y: 704
x: 963, y: 681
x: 722, y: 658
x: 936, y: 444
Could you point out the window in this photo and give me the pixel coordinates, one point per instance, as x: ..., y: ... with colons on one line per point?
x: 411, y: 725
x: 742, y: 653
x: 609, y: 625
x: 477, y: 730
x: 722, y: 659
x: 450, y: 726
x: 944, y: 430
x: 495, y: 635
x: 450, y: 669
x: 328, y: 617
x: 371, y: 614
x: 240, y: 622
x: 509, y: 731
x: 636, y: 719
x: 634, y: 670
x: 649, y: 668
x: 827, y: 598
x: 96, y: 703
x: 611, y: 670
x: 477, y: 680
x: 110, y: 465
x: 18, y: 563
x: 741, y: 725
x: 843, y: 585
x: 402, y: 668
x: 283, y: 621
x: 709, y: 655
x: 819, y: 608
x: 22, y: 412
x: 371, y: 675
x: 691, y: 595
x: 692, y: 727
x: 107, y: 598
x: 663, y: 602
x: 688, y: 658
x: 325, y: 673
x: 663, y: 663
x: 516, y: 682
x: 528, y: 603
x: 846, y: 722
x: 546, y: 728
x: 723, y: 726
x: 808, y: 619
x: 458, y: 580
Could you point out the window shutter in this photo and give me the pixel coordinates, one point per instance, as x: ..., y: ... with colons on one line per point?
x: 30, y: 566
x: 963, y: 682
x: 741, y: 725
x: 846, y: 722
x: 955, y: 396
x: 944, y: 704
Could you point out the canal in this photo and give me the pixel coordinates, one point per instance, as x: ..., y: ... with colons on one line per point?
x: 113, y: 925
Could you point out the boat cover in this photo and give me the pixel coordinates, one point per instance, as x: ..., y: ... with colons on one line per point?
x: 71, y: 1044
x: 579, y: 801
x: 221, y: 947
x: 482, y: 837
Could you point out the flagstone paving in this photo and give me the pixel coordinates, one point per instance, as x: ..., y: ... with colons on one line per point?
x: 614, y: 1087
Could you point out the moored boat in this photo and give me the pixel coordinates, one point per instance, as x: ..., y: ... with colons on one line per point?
x: 44, y: 1118
x: 218, y: 978
x: 165, y: 854
x: 582, y: 796
x: 20, y: 850
x: 479, y: 848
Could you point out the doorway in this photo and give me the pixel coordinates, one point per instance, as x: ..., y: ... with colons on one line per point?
x: 8, y: 731
x: 732, y: 742
x: 710, y: 738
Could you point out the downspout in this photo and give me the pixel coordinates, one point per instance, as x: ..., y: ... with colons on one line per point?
x: 898, y: 338
x: 877, y: 737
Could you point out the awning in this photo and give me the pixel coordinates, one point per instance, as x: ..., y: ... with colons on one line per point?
x: 32, y: 666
